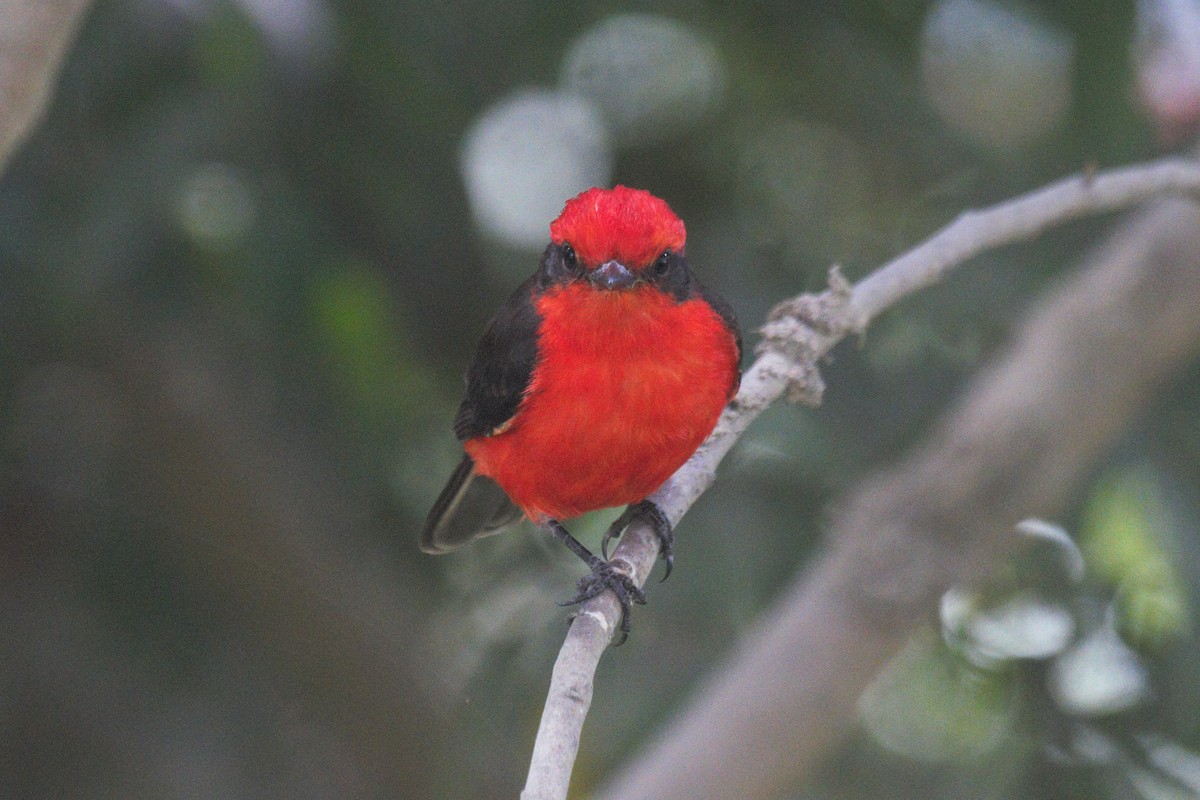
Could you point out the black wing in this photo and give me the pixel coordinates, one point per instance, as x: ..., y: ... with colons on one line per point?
x: 500, y: 372
x: 472, y: 505
x: 469, y: 507
x: 725, y: 312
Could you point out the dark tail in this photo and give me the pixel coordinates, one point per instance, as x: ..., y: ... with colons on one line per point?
x: 470, y: 506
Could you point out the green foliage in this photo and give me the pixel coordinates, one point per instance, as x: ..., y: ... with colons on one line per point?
x: 357, y: 326
x: 1125, y: 533
x: 932, y: 706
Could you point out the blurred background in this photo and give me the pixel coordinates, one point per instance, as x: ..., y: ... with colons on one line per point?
x: 247, y: 256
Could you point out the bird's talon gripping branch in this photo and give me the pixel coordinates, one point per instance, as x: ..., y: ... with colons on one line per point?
x: 662, y: 529
x: 658, y: 521
x: 602, y: 578
x: 615, y: 530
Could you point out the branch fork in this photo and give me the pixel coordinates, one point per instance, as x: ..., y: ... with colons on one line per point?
x: 798, y: 334
x: 804, y: 329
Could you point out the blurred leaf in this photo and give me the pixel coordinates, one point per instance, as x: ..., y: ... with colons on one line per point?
x: 929, y: 705
x: 1123, y: 530
x: 1022, y: 626
x: 1099, y: 675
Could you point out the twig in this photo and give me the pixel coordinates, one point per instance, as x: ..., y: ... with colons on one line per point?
x: 798, y: 334
x: 1025, y: 435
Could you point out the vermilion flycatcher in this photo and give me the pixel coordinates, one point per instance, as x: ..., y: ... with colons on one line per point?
x: 598, y: 378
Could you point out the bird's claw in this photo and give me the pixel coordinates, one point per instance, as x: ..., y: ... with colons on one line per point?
x: 602, y: 578
x: 650, y: 512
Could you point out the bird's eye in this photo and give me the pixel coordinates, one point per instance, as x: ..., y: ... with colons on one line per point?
x: 568, y: 255
x: 663, y: 263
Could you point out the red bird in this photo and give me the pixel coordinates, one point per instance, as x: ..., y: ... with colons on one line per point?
x: 598, y: 379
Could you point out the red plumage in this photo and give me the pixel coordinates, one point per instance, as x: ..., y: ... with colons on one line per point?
x: 627, y: 225
x: 627, y: 386
x: 598, y: 379
x: 627, y: 383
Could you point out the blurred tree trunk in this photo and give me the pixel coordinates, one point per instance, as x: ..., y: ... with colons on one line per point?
x: 1082, y: 368
x: 34, y: 36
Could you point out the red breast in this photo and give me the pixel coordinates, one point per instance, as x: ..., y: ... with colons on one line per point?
x: 626, y: 387
x: 627, y: 382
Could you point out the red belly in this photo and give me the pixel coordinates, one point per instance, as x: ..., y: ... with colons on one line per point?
x: 627, y: 386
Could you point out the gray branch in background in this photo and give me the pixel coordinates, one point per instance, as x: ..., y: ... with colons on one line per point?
x: 34, y: 35
x: 833, y: 608
x: 1019, y: 443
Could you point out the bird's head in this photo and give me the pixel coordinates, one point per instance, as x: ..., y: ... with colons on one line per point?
x: 618, y: 237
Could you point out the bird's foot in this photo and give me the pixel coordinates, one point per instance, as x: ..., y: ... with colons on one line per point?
x: 602, y: 578
x: 652, y: 514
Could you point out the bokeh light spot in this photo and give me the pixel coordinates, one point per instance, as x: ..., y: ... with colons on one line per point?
x: 995, y: 73
x: 652, y: 77
x: 216, y: 206
x: 526, y: 155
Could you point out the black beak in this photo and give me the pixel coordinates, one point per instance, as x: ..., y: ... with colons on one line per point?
x: 612, y: 275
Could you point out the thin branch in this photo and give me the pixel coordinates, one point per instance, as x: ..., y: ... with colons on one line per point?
x: 798, y: 334
x: 1021, y: 441
x: 1020, y: 219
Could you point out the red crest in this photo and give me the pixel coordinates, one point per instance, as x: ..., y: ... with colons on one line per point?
x: 631, y: 226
